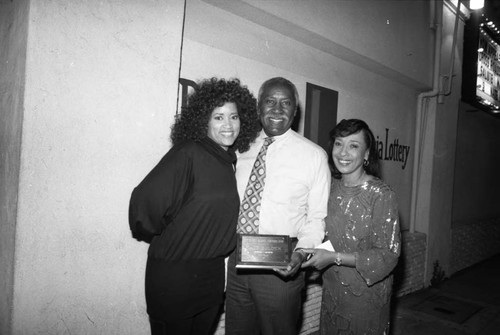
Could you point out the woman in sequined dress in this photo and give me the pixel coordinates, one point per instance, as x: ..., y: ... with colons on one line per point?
x: 363, y: 228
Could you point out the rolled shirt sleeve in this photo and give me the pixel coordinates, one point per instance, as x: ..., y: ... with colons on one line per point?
x: 312, y: 232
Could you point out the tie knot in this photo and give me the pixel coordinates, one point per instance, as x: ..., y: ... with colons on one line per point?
x: 268, y: 141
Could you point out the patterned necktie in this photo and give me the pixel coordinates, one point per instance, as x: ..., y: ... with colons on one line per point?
x: 248, y: 220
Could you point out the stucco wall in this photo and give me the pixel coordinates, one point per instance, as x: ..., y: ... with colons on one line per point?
x: 476, y: 214
x: 382, y: 31
x: 434, y: 211
x: 379, y: 86
x: 101, y: 90
x: 13, y: 36
x: 378, y: 83
x: 475, y: 192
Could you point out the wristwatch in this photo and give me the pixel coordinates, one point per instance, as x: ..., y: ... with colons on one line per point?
x: 303, y: 253
x: 338, y: 260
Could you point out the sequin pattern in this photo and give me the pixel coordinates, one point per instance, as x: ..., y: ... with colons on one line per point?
x: 362, y: 220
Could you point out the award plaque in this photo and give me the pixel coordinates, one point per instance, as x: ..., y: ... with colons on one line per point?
x: 262, y: 251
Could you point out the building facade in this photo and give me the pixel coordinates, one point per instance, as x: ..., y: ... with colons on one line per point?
x: 89, y: 90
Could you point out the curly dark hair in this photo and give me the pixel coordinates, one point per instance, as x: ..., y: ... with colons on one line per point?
x: 192, y: 122
x: 348, y: 127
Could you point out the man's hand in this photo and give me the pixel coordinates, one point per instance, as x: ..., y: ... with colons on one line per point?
x: 295, y: 262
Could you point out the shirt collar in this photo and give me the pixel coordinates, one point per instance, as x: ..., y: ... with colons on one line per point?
x: 278, y: 138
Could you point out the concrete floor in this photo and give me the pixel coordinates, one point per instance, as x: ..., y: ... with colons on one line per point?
x: 466, y: 303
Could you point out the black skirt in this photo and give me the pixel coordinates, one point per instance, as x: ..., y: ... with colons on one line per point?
x: 182, y: 289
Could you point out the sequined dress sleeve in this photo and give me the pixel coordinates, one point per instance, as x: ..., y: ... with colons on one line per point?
x: 362, y: 220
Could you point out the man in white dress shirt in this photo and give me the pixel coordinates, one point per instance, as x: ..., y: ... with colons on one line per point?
x: 294, y: 203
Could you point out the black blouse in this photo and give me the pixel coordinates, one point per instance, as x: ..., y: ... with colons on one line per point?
x: 187, y: 206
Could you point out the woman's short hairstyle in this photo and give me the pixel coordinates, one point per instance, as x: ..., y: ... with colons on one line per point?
x: 192, y: 122
x: 353, y: 126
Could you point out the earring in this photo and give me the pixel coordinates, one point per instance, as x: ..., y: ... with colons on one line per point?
x: 365, y: 162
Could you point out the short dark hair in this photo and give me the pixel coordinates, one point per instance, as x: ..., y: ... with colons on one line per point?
x: 353, y: 126
x: 282, y: 81
x: 192, y: 122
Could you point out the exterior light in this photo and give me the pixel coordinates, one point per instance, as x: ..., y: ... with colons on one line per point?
x: 476, y: 4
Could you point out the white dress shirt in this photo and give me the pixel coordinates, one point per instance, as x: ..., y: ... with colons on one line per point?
x: 297, y: 185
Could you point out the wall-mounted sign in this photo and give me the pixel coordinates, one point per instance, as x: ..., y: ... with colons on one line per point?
x: 186, y: 86
x: 481, y: 63
x: 389, y: 149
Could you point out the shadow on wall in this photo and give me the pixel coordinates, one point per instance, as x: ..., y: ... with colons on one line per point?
x: 296, y: 120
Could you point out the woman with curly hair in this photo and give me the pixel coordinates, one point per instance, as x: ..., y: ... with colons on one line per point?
x: 187, y: 208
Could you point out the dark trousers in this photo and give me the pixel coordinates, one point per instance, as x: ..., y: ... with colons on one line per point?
x: 204, y: 323
x: 262, y: 302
